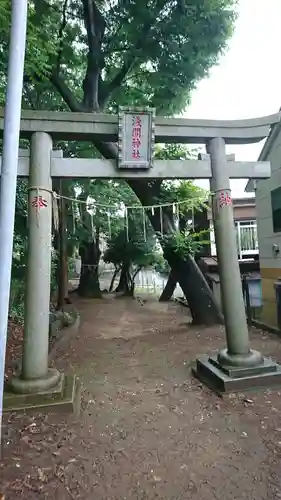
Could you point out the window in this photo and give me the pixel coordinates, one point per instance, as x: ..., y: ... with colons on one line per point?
x: 248, y: 222
x: 276, y: 209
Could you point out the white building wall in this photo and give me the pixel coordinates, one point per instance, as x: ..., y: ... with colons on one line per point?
x: 270, y: 261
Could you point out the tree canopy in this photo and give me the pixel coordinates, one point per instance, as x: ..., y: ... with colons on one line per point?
x: 92, y: 56
x: 100, y: 54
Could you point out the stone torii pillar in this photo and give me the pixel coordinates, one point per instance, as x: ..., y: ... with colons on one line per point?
x: 237, y: 336
x: 36, y: 377
x: 237, y: 367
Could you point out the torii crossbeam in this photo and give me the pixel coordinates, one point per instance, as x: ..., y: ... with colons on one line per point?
x: 162, y: 169
x: 70, y: 126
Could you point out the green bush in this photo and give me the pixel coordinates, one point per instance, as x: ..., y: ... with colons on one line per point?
x: 161, y: 266
x: 17, y: 291
x: 16, y: 312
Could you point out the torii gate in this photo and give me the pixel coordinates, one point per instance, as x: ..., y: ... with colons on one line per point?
x: 234, y: 368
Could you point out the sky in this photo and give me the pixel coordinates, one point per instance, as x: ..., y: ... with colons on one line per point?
x: 247, y: 81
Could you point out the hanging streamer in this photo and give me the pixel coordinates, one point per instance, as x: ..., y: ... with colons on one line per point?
x: 109, y: 224
x: 174, y: 207
x: 127, y: 224
x: 73, y: 217
x: 161, y: 221
x: 178, y: 216
x: 144, y: 224
x: 92, y: 205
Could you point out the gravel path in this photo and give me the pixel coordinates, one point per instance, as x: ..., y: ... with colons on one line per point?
x: 147, y: 429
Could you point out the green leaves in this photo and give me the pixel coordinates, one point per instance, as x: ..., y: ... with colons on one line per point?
x: 40, y: 46
x: 131, y: 247
x: 146, y: 53
x: 183, y: 40
x: 135, y: 53
x: 185, y: 243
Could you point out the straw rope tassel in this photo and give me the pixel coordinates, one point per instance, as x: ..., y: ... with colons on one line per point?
x: 55, y: 212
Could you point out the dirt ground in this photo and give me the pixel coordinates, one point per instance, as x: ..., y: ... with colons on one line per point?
x: 147, y: 429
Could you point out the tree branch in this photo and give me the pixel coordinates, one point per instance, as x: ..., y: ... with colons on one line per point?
x: 129, y: 63
x: 65, y: 92
x: 61, y: 30
x: 95, y: 28
x: 108, y: 150
x: 61, y: 87
x: 136, y: 272
x: 54, y: 8
x: 57, y: 80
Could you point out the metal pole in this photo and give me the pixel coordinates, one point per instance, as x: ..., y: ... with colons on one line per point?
x: 237, y: 336
x: 9, y: 169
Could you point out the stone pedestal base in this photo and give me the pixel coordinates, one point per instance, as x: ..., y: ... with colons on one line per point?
x: 65, y: 396
x: 224, y: 379
x: 34, y: 386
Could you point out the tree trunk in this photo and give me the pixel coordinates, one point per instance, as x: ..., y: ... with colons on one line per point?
x: 201, y: 301
x: 116, y: 271
x: 169, y: 288
x: 89, y: 285
x: 125, y: 285
x: 202, y: 304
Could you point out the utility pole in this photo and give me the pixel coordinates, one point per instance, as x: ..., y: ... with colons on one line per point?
x: 9, y: 169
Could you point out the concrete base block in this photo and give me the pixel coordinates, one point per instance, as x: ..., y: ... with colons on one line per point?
x: 266, y: 366
x: 65, y: 397
x: 224, y: 379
